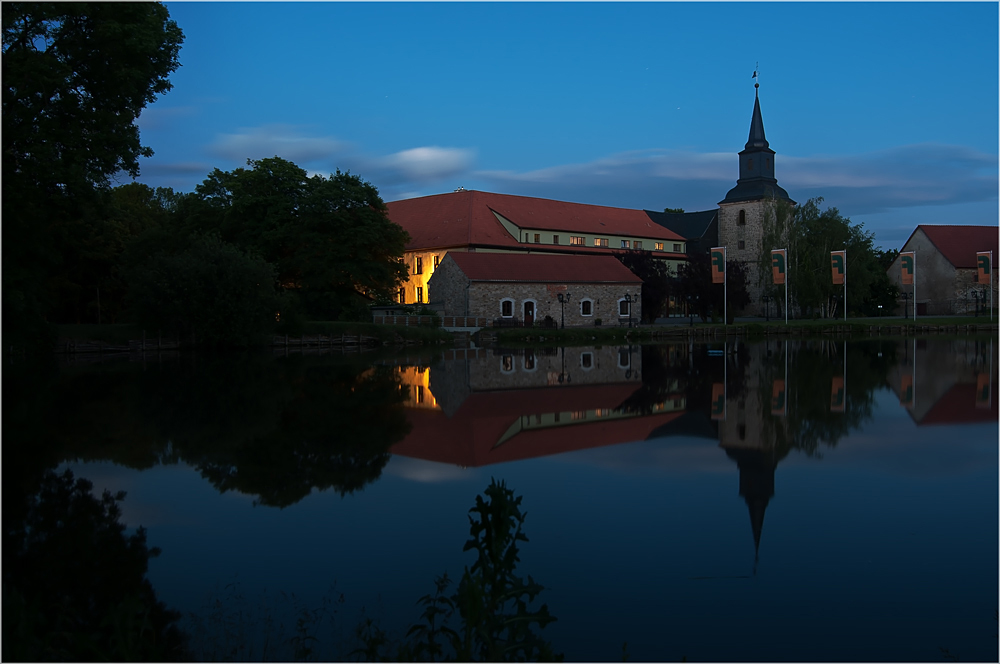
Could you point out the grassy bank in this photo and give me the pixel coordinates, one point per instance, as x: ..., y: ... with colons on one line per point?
x: 863, y: 327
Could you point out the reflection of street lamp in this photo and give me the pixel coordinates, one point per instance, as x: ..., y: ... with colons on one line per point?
x: 767, y: 311
x: 563, y: 378
x: 628, y: 301
x: 563, y: 299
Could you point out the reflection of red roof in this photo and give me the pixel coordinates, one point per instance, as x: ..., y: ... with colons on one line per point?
x: 958, y: 406
x: 543, y: 268
x: 959, y: 244
x: 466, y: 218
x: 470, y: 437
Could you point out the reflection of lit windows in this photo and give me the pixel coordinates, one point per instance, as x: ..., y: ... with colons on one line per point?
x: 507, y: 308
x: 538, y: 419
x: 420, y: 294
x: 529, y: 361
x: 578, y: 415
x: 507, y: 363
x: 587, y: 360
x: 420, y: 393
x: 601, y: 412
x: 586, y: 308
x: 677, y: 403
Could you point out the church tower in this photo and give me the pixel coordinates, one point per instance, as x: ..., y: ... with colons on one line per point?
x: 742, y: 211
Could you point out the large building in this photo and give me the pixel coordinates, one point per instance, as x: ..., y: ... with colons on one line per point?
x: 477, y: 221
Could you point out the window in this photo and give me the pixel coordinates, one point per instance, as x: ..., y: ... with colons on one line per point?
x: 420, y: 294
x: 555, y: 239
x: 743, y: 218
x: 624, y: 358
x: 677, y: 246
x: 402, y: 295
x: 507, y: 363
x: 750, y: 163
x: 637, y: 244
x: 624, y: 307
x: 624, y: 244
x: 658, y: 246
x: 586, y: 308
x: 600, y: 241
x: 436, y: 261
x: 576, y: 239
x: 587, y: 360
x: 420, y: 265
x: 507, y: 308
x: 741, y: 244
x: 529, y: 361
x: 420, y: 393
x: 538, y: 238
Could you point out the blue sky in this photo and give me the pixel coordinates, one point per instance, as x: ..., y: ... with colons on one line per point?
x: 889, y: 110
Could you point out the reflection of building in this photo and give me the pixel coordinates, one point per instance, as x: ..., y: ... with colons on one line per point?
x: 945, y: 274
x: 495, y: 407
x: 946, y: 382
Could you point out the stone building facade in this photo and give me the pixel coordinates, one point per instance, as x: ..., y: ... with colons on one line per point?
x: 596, y: 290
x: 946, y: 275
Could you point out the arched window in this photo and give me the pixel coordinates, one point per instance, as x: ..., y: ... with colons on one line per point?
x: 587, y: 307
x: 743, y: 218
x: 507, y: 308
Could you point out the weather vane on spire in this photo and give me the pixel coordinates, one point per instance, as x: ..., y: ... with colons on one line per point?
x: 756, y: 82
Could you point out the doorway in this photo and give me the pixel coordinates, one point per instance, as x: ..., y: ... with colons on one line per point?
x: 529, y: 314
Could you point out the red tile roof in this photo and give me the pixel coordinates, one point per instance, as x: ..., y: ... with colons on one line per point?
x: 542, y: 268
x: 958, y: 406
x: 959, y: 244
x: 466, y: 218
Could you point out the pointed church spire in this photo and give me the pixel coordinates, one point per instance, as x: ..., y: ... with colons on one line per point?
x: 756, y: 139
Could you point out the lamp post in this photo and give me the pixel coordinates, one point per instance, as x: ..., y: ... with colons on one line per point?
x: 767, y: 310
x: 880, y: 311
x: 628, y: 301
x: 563, y: 299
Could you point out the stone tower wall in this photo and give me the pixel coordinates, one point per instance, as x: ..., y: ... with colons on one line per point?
x: 751, y: 234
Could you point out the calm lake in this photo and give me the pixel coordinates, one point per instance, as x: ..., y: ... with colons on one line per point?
x: 771, y: 501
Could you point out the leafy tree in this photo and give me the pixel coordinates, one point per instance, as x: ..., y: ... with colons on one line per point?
x: 657, y: 281
x: 76, y: 76
x: 673, y: 210
x: 213, y: 291
x: 810, y: 234
x: 330, y: 237
x: 694, y: 286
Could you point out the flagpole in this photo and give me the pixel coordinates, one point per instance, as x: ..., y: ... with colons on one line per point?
x: 845, y: 286
x: 787, y: 265
x: 991, y: 299
x: 914, y: 287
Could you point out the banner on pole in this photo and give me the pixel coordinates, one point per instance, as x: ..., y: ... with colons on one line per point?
x: 837, y: 395
x: 906, y: 262
x: 718, y: 407
x: 983, y: 263
x: 983, y: 396
x: 779, y: 264
x: 718, y: 256
x: 906, y: 391
x: 778, y: 404
x: 838, y: 263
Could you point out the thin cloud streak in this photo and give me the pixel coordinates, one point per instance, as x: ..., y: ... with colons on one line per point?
x: 284, y: 141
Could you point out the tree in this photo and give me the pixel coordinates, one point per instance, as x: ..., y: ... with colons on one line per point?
x: 329, y: 237
x: 705, y: 299
x: 76, y: 76
x: 810, y: 235
x: 214, y: 291
x: 657, y: 282
x: 673, y: 210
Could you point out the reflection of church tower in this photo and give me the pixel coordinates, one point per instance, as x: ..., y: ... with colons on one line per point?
x: 742, y: 211
x: 757, y: 468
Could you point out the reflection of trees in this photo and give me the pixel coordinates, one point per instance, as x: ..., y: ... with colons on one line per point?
x: 812, y: 366
x: 274, y: 428
x: 74, y: 585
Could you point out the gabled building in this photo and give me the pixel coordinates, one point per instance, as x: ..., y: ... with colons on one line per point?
x: 528, y: 287
x: 477, y: 221
x: 946, y: 275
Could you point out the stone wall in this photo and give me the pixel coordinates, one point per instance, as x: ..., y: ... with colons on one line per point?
x: 485, y: 299
x: 751, y: 234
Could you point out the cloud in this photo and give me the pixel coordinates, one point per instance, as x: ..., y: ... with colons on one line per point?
x: 428, y: 163
x: 901, y: 177
x: 280, y: 140
x: 155, y: 118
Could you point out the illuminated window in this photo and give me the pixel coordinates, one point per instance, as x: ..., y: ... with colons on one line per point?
x: 420, y: 265
x: 624, y: 244
x: 576, y: 239
x: 420, y: 294
x: 538, y: 238
x: 600, y: 241
x: 637, y: 244
x: 420, y: 393
x: 436, y: 261
x: 402, y: 295
x: 658, y: 246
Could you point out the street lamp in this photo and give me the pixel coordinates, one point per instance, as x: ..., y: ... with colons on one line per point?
x: 563, y: 299
x: 628, y: 301
x: 880, y: 311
